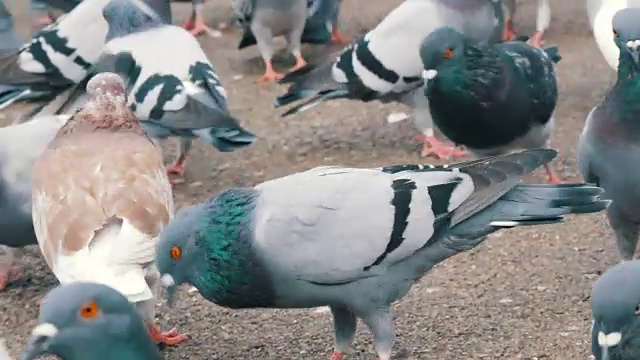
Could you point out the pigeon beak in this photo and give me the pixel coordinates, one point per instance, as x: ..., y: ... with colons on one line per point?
x: 38, y: 344
x: 633, y: 46
x: 170, y: 284
x: 429, y: 75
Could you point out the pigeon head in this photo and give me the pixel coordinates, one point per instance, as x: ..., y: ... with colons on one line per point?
x: 626, y: 35
x: 80, y: 319
x: 128, y: 17
x: 615, y: 306
x: 439, y: 50
x: 176, y: 253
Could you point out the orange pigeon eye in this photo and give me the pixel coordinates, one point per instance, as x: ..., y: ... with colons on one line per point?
x: 448, y: 53
x: 89, y: 310
x: 176, y: 253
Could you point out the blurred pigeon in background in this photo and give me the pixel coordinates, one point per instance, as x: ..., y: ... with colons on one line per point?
x: 195, y: 24
x: 20, y: 145
x: 385, y: 64
x: 542, y: 21
x: 264, y: 19
x: 89, y: 321
x: 609, y: 137
x: 322, y: 25
x: 493, y: 98
x: 301, y: 241
x: 100, y: 197
x: 601, y: 14
x: 173, y: 91
x: 9, y: 40
x: 615, y: 307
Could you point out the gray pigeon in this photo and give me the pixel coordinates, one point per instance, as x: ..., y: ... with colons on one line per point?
x: 615, y: 307
x: 173, y: 90
x: 608, y: 140
x: 20, y: 145
x: 302, y: 240
x: 491, y: 98
x: 88, y: 321
x: 264, y: 19
x: 9, y: 40
x: 385, y: 64
x: 61, y: 54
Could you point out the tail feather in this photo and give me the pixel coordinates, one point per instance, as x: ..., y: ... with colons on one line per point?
x: 554, y: 53
x: 226, y: 140
x: 317, y: 100
x: 526, y: 205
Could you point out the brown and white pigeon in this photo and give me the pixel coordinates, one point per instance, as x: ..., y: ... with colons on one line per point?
x: 100, y: 198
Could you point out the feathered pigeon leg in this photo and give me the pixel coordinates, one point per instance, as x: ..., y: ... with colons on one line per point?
x: 293, y: 40
x: 177, y: 168
x: 264, y: 38
x: 433, y: 146
x: 626, y: 232
x: 542, y: 22
x: 344, y: 328
x: 381, y: 325
x: 148, y: 311
x: 8, y: 272
x: 337, y: 37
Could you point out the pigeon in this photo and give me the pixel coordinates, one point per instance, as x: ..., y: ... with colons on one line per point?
x: 100, y: 197
x: 615, y: 306
x: 385, y: 64
x: 542, y: 21
x: 491, y: 98
x: 9, y: 40
x: 601, y: 14
x: 262, y: 20
x: 323, y: 19
x: 173, y: 91
x: 301, y: 241
x: 608, y: 138
x: 60, y: 55
x: 89, y: 321
x: 20, y: 145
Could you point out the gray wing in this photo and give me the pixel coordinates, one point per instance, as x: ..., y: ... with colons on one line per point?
x: 351, y: 223
x: 586, y: 151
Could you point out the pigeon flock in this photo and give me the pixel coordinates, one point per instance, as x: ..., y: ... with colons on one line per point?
x: 91, y: 189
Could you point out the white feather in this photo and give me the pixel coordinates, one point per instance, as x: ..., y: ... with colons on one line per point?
x: 85, y: 30
x: 544, y: 15
x: 151, y: 52
x: 4, y: 353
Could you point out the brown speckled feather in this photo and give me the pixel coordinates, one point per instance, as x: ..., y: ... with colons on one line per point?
x: 100, y: 175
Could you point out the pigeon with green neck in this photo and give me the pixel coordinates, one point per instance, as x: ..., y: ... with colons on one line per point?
x: 89, y: 321
x: 493, y: 98
x: 355, y: 240
x: 610, y: 137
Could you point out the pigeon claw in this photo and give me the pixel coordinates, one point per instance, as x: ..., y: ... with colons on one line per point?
x: 300, y: 63
x: 337, y: 37
x: 337, y: 355
x: 176, y: 169
x: 433, y: 146
x: 536, y: 39
x: 199, y: 29
x: 269, y: 74
x: 552, y: 177
x: 9, y: 275
x: 169, y: 338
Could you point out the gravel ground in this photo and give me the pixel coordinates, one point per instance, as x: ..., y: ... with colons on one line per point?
x: 523, y: 294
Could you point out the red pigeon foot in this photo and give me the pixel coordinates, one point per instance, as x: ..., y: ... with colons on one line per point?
x: 171, y: 337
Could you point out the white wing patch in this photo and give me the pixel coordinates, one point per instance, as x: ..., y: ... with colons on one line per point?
x: 87, y: 43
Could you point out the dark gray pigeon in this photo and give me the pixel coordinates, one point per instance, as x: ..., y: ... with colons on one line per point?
x: 301, y: 241
x: 9, y: 40
x: 615, y: 311
x: 20, y: 145
x: 385, y: 63
x: 264, y: 19
x: 609, y: 137
x: 493, y: 98
x: 173, y: 90
x: 87, y: 321
x: 61, y: 54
